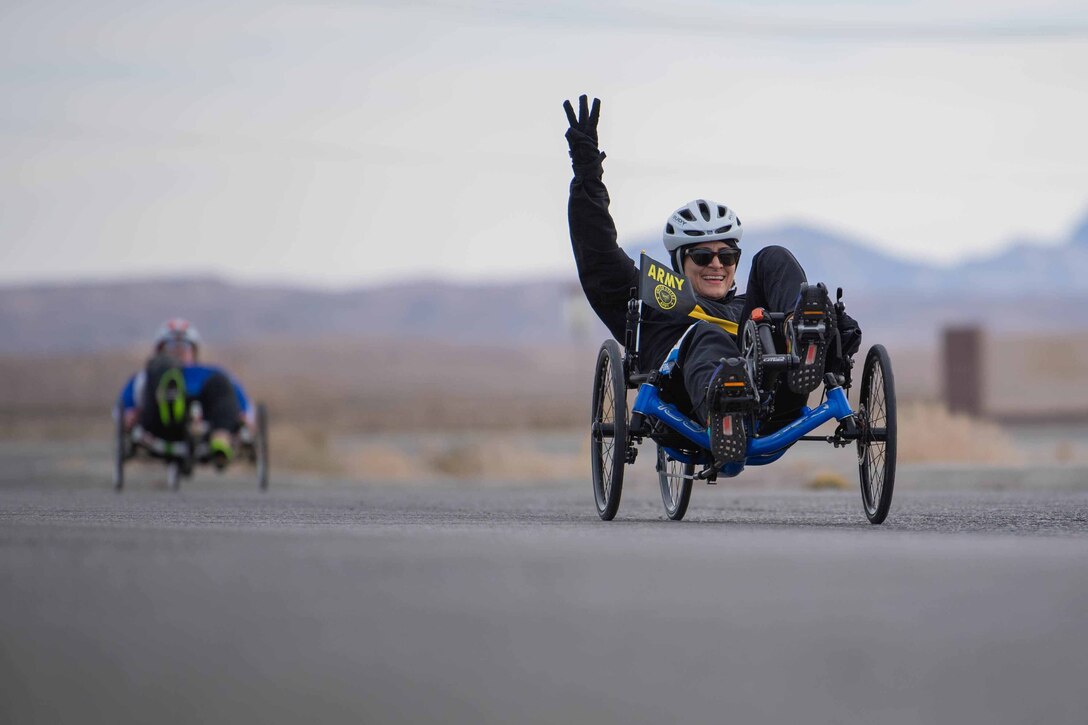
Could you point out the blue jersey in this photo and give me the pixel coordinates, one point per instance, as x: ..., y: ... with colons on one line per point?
x: 195, y: 377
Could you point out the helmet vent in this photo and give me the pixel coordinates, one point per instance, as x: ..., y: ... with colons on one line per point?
x: 721, y: 210
x: 723, y: 230
x: 694, y: 232
x: 669, y: 229
x: 704, y: 210
x: 686, y: 213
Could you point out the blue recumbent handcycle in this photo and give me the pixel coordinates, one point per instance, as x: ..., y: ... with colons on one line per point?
x: 683, y: 444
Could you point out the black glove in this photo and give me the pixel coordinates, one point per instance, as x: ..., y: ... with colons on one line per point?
x: 848, y: 343
x: 850, y: 332
x: 582, y: 134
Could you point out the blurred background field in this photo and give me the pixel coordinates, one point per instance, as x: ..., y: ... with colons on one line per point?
x: 411, y: 411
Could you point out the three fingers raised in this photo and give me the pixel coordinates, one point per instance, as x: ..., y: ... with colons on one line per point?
x: 586, y: 118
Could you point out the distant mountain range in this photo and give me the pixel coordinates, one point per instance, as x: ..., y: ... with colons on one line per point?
x: 1055, y: 267
x: 1026, y: 287
x: 105, y: 315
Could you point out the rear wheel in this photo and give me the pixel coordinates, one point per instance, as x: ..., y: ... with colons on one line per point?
x: 260, y: 444
x: 173, y: 475
x: 608, y: 433
x: 877, y: 434
x: 675, y: 479
x: 119, y: 450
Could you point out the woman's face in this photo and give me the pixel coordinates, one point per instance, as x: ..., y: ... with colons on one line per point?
x: 714, y: 280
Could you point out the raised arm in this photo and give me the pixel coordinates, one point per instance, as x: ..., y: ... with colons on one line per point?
x: 607, y: 274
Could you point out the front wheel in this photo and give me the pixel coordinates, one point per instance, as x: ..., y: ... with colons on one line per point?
x: 608, y: 433
x: 877, y: 434
x: 173, y: 475
x: 260, y: 443
x: 120, y: 451
x: 675, y: 479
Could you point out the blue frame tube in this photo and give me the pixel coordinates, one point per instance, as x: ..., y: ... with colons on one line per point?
x: 760, y: 450
x: 835, y: 407
x: 649, y: 403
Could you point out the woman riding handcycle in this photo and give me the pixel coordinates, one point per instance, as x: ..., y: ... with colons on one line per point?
x: 709, y: 401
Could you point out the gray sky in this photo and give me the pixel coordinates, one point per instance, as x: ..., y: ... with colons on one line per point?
x: 337, y: 143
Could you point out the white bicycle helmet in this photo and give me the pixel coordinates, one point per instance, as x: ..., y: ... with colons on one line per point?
x: 177, y: 330
x: 698, y: 221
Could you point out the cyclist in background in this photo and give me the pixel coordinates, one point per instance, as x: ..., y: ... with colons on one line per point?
x: 160, y: 397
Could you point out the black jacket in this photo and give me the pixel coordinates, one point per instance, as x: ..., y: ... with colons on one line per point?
x: 608, y: 275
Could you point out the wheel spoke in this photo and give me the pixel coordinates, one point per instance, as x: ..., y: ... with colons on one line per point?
x: 608, y: 460
x: 876, y: 397
x: 602, y: 416
x: 609, y: 401
x: 876, y: 473
x: 874, y: 480
x: 608, y: 417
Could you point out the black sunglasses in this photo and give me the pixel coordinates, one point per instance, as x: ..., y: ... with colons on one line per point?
x: 703, y: 257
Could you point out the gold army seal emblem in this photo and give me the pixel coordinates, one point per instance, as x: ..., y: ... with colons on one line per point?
x: 665, y: 297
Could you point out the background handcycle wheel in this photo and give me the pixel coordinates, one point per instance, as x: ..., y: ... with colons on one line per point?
x: 173, y: 475
x: 118, y: 450
x: 608, y: 432
x: 260, y: 443
x: 675, y: 491
x: 876, y: 444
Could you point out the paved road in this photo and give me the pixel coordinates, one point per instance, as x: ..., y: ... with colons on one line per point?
x: 463, y: 604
